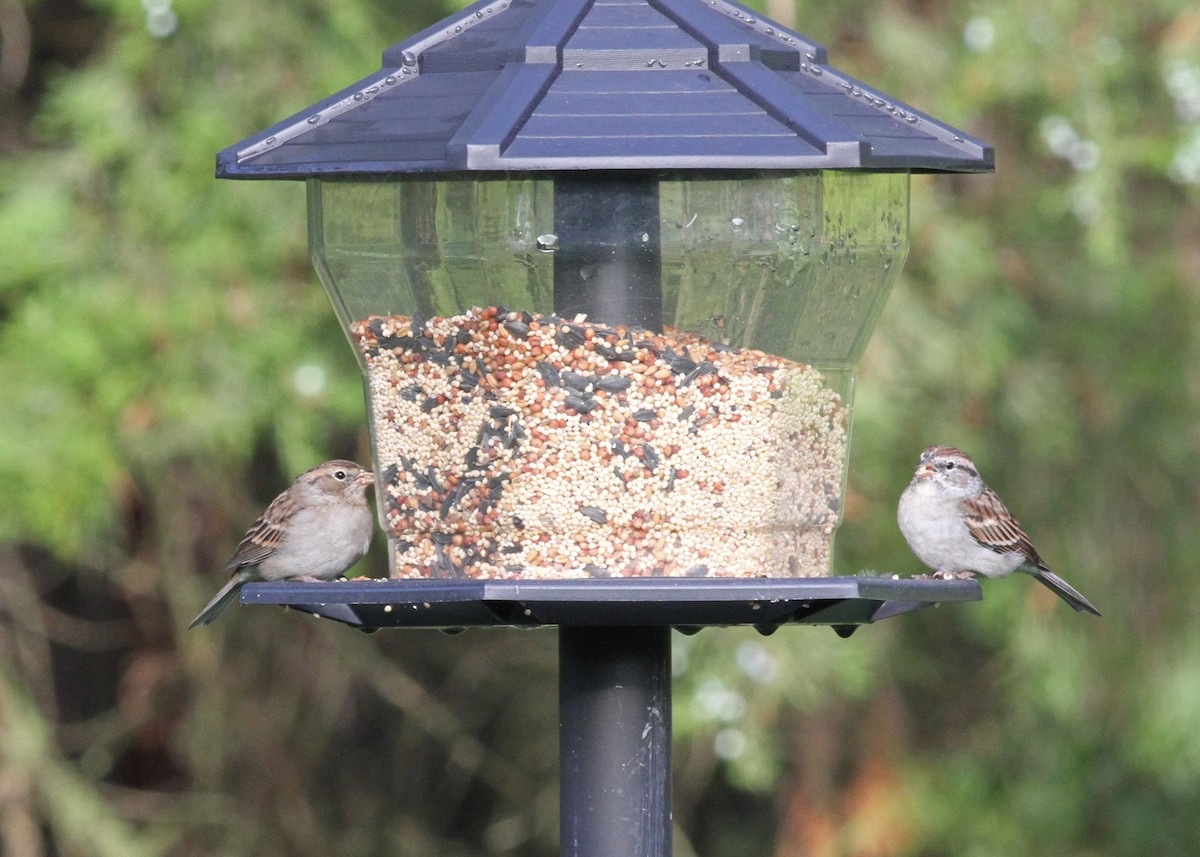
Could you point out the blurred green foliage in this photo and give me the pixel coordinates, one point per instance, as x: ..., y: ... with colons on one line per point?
x: 168, y: 362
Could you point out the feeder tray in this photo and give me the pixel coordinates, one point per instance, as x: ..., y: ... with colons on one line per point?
x: 685, y: 604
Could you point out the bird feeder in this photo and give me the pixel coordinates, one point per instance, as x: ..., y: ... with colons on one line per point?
x: 609, y: 267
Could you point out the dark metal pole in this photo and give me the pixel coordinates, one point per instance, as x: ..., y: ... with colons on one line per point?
x: 615, y: 741
x: 609, y: 258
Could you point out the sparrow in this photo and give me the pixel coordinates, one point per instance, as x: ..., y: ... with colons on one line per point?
x: 958, y: 526
x: 315, y: 530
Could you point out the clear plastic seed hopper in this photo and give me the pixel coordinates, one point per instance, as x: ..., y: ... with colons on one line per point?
x: 609, y: 269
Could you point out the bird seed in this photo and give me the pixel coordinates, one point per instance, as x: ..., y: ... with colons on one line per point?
x: 526, y: 446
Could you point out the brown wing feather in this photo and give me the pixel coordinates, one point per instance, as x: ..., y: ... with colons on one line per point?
x: 265, y: 534
x: 994, y: 527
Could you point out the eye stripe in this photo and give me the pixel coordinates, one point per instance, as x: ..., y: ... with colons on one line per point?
x: 947, y: 466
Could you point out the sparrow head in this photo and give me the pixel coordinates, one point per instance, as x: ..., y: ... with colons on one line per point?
x: 950, y: 468
x: 337, y: 479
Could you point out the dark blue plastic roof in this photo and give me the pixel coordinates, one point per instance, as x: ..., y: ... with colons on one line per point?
x: 604, y: 84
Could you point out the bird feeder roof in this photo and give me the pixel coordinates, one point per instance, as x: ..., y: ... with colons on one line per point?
x: 601, y: 85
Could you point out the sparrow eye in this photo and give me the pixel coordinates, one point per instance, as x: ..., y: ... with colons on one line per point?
x: 949, y: 465
x: 339, y: 475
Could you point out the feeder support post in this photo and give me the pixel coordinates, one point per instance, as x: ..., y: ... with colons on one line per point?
x: 615, y: 741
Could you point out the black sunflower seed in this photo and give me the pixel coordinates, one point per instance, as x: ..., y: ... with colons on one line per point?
x: 612, y: 383
x: 411, y: 394
x: 569, y: 339
x: 645, y: 415
x: 605, y: 350
x: 618, y: 447
x: 721, y: 346
x: 649, y: 456
x: 391, y: 343
x: 697, y: 571
x: 683, y: 366
x: 705, y: 368
x: 499, y: 412
x: 464, y: 488
x: 763, y: 370
x: 514, y: 568
x: 595, y: 513
x: 429, y: 404
x: 519, y: 329
x: 468, y: 380
x: 597, y: 570
x: 678, y: 364
x: 575, y: 381
x: 445, y: 566
x: 511, y: 549
x: 580, y: 404
x: 686, y: 412
x: 549, y: 374
x: 431, y: 475
x: 441, y: 538
x: 407, y: 342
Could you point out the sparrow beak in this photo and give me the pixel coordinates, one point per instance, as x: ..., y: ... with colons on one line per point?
x: 365, y: 479
x: 924, y: 471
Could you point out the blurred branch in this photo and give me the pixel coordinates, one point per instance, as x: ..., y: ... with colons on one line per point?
x: 15, y: 45
x: 464, y: 749
x: 21, y: 609
x: 58, y: 626
x: 76, y: 813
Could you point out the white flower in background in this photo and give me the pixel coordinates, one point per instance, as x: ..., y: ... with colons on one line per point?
x: 161, y: 19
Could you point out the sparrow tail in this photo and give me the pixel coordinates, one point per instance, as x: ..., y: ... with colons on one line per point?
x: 219, y: 601
x: 1065, y: 591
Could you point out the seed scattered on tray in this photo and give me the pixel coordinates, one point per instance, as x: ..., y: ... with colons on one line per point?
x: 522, y: 445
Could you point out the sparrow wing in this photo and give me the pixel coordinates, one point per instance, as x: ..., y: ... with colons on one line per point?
x: 265, y: 535
x: 993, y: 526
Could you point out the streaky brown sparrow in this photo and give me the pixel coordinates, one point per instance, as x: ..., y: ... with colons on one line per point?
x: 315, y: 530
x: 959, y: 527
